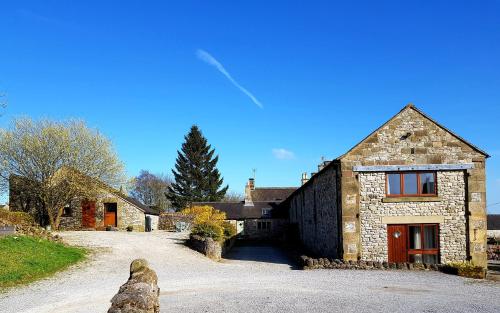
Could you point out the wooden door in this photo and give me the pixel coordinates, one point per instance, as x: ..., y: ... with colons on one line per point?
x: 110, y: 214
x: 397, y: 243
x: 88, y: 214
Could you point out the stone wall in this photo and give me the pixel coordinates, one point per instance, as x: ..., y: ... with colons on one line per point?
x: 315, y: 212
x: 167, y: 221
x: 410, y: 138
x: 140, y: 294
x: 450, y: 206
x: 207, y: 246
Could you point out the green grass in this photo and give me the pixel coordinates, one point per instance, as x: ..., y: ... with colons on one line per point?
x: 26, y: 259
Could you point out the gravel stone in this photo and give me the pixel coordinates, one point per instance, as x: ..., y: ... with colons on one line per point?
x: 250, y: 279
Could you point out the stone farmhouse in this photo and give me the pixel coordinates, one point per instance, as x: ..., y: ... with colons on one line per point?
x: 111, y: 208
x: 411, y: 191
x: 260, y: 215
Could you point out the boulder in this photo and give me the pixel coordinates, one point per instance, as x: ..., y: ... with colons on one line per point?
x: 140, y: 294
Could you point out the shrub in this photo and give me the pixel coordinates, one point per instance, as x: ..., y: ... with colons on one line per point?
x: 204, y: 214
x: 229, y: 230
x: 130, y: 228
x: 15, y: 218
x: 216, y: 232
x: 464, y: 269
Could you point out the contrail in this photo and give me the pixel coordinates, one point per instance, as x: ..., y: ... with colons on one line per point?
x: 209, y: 59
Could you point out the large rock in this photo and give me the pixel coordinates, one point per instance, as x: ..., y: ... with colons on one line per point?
x: 140, y: 293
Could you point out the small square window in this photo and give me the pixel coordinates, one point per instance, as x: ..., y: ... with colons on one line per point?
x: 266, y: 212
x: 67, y: 211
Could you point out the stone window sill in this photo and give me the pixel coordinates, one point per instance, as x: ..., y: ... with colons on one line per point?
x: 410, y: 199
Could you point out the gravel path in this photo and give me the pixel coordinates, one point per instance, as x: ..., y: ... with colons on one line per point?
x: 252, y: 279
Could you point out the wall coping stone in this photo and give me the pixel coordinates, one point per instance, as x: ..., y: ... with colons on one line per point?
x: 424, y: 167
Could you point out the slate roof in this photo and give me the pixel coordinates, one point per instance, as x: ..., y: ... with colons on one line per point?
x: 493, y: 221
x: 271, y: 193
x: 239, y: 211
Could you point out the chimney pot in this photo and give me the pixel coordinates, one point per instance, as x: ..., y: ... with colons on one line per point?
x: 304, y: 178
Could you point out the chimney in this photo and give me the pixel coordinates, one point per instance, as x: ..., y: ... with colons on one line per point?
x: 251, y: 183
x: 323, y: 164
x: 248, y: 192
x: 304, y: 178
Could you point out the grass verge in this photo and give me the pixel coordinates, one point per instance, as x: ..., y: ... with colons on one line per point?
x: 25, y: 259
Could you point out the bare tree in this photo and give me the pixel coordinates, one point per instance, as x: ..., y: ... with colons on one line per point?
x: 56, y: 162
x: 151, y: 189
x: 233, y: 196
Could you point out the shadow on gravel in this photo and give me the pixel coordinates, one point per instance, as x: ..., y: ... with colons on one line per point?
x: 260, y: 252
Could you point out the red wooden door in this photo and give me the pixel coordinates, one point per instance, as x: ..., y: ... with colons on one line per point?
x: 397, y: 243
x: 88, y: 214
x: 110, y: 218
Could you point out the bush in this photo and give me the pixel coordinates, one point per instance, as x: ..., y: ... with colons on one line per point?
x: 229, y: 230
x: 208, y: 222
x: 15, y: 218
x: 130, y: 228
x: 464, y: 269
x: 204, y: 214
x: 216, y: 232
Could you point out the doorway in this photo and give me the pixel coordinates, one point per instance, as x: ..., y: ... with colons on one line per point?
x: 88, y: 214
x: 414, y: 243
x: 110, y: 214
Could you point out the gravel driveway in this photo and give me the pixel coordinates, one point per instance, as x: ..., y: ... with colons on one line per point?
x: 253, y: 279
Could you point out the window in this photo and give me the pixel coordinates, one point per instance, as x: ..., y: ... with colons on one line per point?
x: 67, y: 211
x: 266, y: 212
x: 411, y: 184
x: 423, y: 243
x: 264, y: 225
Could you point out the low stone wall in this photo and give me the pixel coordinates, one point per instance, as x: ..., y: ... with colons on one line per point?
x: 207, y: 246
x: 323, y: 263
x: 140, y: 294
x: 167, y: 221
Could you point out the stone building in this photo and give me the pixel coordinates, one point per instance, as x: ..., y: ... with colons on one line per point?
x: 110, y: 208
x: 411, y: 191
x: 260, y: 215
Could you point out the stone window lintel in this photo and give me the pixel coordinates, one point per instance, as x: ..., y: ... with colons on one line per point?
x: 411, y: 199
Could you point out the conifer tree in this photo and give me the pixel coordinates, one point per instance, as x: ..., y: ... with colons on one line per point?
x: 197, y: 178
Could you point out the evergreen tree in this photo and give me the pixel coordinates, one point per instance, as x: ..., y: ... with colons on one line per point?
x: 197, y: 178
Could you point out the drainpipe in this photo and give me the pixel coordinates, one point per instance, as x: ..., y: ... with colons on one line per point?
x: 467, y: 216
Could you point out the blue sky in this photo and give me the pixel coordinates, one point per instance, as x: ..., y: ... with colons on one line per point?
x: 322, y: 76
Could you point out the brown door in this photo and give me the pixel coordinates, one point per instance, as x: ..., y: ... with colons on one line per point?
x: 110, y: 214
x: 88, y: 214
x: 397, y: 243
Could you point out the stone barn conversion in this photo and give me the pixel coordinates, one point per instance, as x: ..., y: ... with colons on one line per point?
x: 412, y: 191
x: 111, y: 208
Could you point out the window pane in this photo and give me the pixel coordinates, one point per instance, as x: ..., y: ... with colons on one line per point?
x: 415, y: 258
x: 430, y: 258
x: 394, y: 184
x: 430, y: 233
x: 410, y: 186
x: 427, y: 183
x: 415, y: 238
